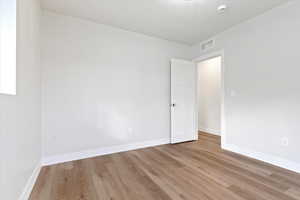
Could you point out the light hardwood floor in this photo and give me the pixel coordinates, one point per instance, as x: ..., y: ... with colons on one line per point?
x: 189, y: 171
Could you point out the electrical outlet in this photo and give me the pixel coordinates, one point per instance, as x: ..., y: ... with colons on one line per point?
x: 285, y: 141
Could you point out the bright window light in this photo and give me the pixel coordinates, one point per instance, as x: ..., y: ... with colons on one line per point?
x: 8, y: 47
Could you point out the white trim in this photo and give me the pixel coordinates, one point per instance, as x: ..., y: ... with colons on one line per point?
x: 207, y: 56
x: 274, y: 160
x: 196, y: 104
x: 210, y: 130
x: 51, y: 160
x: 30, y: 183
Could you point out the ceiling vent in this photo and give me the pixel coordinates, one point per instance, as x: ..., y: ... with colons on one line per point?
x: 207, y: 45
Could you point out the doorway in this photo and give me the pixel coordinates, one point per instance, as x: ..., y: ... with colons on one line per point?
x: 210, y: 94
x: 185, y: 101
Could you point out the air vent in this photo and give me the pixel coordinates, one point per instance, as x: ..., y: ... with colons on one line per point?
x: 207, y: 45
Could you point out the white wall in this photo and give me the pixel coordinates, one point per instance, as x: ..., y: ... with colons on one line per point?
x: 262, y: 67
x: 209, y: 95
x: 20, y: 116
x: 103, y: 86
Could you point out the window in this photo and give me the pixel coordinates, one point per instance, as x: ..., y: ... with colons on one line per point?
x: 8, y: 47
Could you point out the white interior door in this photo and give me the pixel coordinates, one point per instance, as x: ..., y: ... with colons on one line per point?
x: 183, y: 101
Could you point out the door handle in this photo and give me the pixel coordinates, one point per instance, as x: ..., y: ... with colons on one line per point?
x: 173, y: 105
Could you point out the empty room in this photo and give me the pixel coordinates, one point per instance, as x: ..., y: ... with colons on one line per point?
x: 149, y: 99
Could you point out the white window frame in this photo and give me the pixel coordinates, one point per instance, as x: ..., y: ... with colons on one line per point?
x: 8, y: 46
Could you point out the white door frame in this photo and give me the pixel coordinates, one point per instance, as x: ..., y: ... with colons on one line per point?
x: 223, y: 121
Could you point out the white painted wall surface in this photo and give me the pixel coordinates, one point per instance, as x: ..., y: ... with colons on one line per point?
x: 103, y: 86
x: 20, y: 116
x: 262, y: 68
x: 209, y: 95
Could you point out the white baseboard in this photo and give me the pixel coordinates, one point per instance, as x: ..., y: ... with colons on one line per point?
x: 274, y: 160
x: 209, y: 130
x: 51, y: 160
x: 30, y: 183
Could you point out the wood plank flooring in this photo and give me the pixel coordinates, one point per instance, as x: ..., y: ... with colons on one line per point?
x: 189, y: 171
